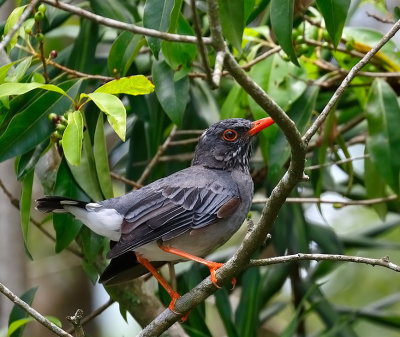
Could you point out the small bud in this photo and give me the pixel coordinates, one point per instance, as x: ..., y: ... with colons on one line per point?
x: 53, y: 54
x: 39, y: 37
x: 60, y: 127
x: 39, y: 16
x: 63, y: 120
x: 28, y: 30
x: 42, y: 8
x: 52, y: 116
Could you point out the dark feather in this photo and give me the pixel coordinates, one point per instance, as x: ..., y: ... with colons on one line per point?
x: 191, y: 198
x: 124, y: 268
x: 49, y: 203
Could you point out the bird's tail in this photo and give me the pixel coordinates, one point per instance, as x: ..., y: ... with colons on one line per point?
x: 56, y: 204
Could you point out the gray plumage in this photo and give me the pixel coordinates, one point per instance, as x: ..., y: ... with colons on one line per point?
x: 195, y: 210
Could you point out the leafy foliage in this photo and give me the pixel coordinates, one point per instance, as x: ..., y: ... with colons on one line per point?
x: 145, y: 85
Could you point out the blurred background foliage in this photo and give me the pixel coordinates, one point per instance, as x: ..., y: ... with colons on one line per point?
x: 298, y: 52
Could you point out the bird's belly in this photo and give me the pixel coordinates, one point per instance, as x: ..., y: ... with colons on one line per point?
x: 199, y: 242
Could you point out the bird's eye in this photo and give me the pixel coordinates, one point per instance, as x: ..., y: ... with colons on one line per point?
x: 230, y: 135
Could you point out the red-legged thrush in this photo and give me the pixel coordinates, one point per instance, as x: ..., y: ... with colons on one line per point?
x: 185, y: 215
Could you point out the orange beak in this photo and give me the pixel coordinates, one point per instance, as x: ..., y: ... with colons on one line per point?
x: 259, y: 125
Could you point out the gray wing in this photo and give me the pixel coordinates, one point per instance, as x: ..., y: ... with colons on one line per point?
x: 190, y: 199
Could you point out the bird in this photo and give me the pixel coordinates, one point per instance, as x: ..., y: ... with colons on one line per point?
x: 185, y: 215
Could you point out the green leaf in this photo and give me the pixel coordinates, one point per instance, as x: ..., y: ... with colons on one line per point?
x: 18, y: 324
x: 281, y: 14
x: 232, y: 21
x: 11, y: 21
x: 83, y: 54
x: 5, y: 69
x: 180, y: 56
x: 31, y: 126
x: 25, y: 205
x: 18, y: 313
x: 7, y: 89
x: 116, y: 10
x: 14, y: 326
x: 85, y: 174
x: 173, y: 96
x: 375, y: 186
x: 335, y: 14
x: 157, y: 16
x: 101, y: 159
x: 225, y: 311
x: 300, y: 112
x: 123, y: 52
x: 65, y: 226
x: 383, y: 142
x: 113, y: 108
x: 28, y: 160
x: 132, y: 85
x: 72, y: 138
x: 20, y: 70
x: 280, y: 80
x: 247, y: 313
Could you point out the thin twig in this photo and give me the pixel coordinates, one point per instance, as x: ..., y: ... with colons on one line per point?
x: 124, y: 26
x: 200, y: 45
x: 94, y: 314
x: 189, y: 132
x: 125, y: 180
x: 157, y: 156
x: 184, y: 141
x: 380, y: 19
x: 28, y: 10
x: 261, y: 57
x: 339, y: 162
x: 365, y: 202
x: 331, y: 67
x: 75, y: 320
x: 352, y: 73
x: 177, y: 157
x: 32, y: 312
x: 77, y: 73
x: 383, y: 262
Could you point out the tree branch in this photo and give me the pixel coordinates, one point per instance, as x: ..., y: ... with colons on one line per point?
x: 32, y: 312
x: 124, y: 26
x: 366, y: 202
x: 382, y: 262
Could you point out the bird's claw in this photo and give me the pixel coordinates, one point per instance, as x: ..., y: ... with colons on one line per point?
x: 213, y: 269
x: 171, y: 307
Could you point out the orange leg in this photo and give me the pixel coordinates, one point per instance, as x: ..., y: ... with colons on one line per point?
x: 171, y: 292
x: 213, y: 266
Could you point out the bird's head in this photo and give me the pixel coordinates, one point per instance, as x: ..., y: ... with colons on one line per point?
x: 227, y: 143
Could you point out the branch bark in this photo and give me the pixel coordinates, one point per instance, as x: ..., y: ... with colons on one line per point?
x: 122, y: 25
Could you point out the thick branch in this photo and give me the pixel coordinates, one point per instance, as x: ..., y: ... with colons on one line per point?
x: 124, y: 26
x: 32, y: 312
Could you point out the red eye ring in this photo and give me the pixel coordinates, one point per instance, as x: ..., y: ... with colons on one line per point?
x: 229, y: 135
